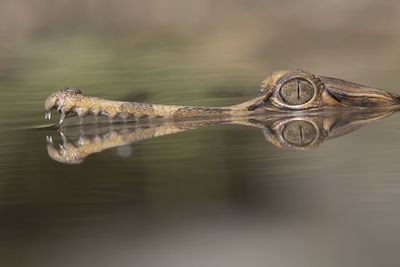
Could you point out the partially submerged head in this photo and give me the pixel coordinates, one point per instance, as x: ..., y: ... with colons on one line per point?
x: 301, y: 90
x: 62, y: 100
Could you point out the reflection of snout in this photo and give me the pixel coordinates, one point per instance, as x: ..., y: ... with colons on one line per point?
x: 63, y: 153
x: 355, y: 95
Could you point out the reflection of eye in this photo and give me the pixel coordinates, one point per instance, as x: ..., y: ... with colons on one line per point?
x: 297, y: 92
x: 299, y: 132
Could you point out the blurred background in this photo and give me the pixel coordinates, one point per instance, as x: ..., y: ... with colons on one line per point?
x: 216, y: 196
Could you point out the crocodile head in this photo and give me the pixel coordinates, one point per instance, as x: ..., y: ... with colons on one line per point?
x: 292, y: 90
x: 62, y: 100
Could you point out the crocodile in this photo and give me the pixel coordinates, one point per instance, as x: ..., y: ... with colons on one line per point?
x: 284, y: 91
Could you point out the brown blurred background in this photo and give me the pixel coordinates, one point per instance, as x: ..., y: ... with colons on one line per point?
x: 341, y: 38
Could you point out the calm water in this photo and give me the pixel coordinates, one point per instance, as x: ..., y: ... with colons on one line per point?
x: 214, y: 196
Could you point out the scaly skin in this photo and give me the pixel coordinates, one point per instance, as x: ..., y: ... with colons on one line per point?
x: 89, y: 139
x: 70, y: 100
x: 283, y: 91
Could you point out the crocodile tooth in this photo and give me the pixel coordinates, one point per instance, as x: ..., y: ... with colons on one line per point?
x: 47, y: 115
x: 62, y: 117
x: 124, y: 116
x: 81, y: 140
x: 110, y: 117
x: 81, y: 112
x: 64, y: 139
x: 49, y: 139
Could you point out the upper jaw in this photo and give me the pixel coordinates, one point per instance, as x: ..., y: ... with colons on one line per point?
x: 344, y: 93
x: 50, y: 104
x: 63, y: 101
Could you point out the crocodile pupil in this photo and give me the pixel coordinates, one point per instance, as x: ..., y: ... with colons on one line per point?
x: 299, y: 133
x: 297, y: 92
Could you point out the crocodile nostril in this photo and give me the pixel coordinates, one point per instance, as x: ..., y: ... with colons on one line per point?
x: 72, y: 90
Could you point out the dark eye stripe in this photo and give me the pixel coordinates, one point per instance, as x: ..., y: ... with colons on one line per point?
x: 297, y: 92
x: 299, y: 132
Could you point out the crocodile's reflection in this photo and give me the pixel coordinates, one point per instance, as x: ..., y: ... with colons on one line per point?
x: 301, y: 132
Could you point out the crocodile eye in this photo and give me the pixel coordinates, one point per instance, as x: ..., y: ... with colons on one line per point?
x: 299, y: 132
x: 297, y: 91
